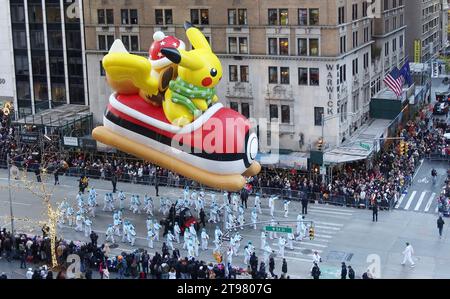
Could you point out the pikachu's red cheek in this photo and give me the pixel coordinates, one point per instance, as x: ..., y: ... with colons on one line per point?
x: 207, y: 81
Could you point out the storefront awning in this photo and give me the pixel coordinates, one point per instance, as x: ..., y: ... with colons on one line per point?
x: 295, y: 160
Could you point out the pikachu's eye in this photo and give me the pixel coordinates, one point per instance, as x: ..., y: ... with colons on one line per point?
x: 213, y: 72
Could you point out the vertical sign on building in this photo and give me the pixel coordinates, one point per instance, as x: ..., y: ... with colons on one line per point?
x: 417, y: 51
x: 330, y: 89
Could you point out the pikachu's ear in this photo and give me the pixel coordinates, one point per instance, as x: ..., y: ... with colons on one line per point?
x: 182, y: 58
x: 196, y: 37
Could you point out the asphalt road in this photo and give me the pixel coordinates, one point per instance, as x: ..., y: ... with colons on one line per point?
x: 342, y: 234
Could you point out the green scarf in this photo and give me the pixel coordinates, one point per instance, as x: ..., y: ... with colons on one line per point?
x: 183, y: 93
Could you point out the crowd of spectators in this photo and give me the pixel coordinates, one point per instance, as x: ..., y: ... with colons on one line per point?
x: 34, y: 253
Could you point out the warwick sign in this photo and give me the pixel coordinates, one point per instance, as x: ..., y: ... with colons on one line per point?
x: 330, y: 89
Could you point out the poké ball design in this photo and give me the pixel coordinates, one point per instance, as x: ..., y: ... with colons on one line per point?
x: 188, y: 131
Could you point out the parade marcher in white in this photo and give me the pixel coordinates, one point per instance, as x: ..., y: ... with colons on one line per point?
x: 93, y: 194
x: 169, y: 240
x: 106, y: 201
x: 80, y: 200
x: 177, y: 232
x: 258, y: 203
x: 267, y: 252
x: 92, y: 206
x: 217, y: 234
x: 124, y: 231
x: 408, y: 255
x: 271, y: 205
x: 286, y: 208
x: 225, y: 198
x: 79, y: 222
x: 136, y: 205
x: 69, y: 215
x: 156, y: 227
x: 131, y: 237
x: 254, y: 218
x: 186, y: 237
x: 235, y: 202
x: 230, y: 253
x: 273, y: 234
x: 300, y: 228
x: 281, y: 246
x: 190, y: 247
x: 150, y: 237
x: 196, y: 246
x: 110, y: 234
x: 241, y: 216
x: 247, y: 254
x: 290, y: 240
x: 63, y: 206
x: 148, y: 205
x: 263, y: 240
x: 117, y: 222
x: 213, y: 214
x: 87, y: 227
x: 316, y: 258
x: 192, y: 230
x: 204, y: 236
x: 122, y: 198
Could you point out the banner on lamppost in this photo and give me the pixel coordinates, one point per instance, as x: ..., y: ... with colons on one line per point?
x: 417, y: 51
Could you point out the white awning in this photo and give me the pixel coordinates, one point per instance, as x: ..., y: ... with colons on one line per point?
x: 295, y: 160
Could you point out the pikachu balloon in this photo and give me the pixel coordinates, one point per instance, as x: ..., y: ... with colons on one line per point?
x: 199, y: 71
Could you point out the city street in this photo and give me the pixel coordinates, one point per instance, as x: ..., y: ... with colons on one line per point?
x: 341, y: 234
x: 422, y: 195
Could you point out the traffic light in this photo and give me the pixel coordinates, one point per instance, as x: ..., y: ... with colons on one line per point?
x: 7, y: 107
x: 401, y: 148
x: 311, y: 233
x: 406, y: 147
x: 320, y: 145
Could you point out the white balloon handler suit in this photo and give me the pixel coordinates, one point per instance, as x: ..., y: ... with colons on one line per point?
x: 263, y: 240
x: 281, y: 246
x: 254, y: 218
x: 169, y: 240
x: 286, y: 208
x: 110, y: 234
x: 79, y: 220
x: 87, y: 227
x: 301, y: 229
x: 248, y: 250
x: 148, y: 205
x: 408, y: 255
x: 258, y: 204
x: 122, y: 199
x: 204, y: 236
x: 150, y: 237
x: 177, y: 232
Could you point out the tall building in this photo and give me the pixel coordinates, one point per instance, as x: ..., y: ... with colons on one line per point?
x: 389, y: 30
x: 425, y: 31
x: 48, y: 51
x: 288, y: 61
x: 6, y: 56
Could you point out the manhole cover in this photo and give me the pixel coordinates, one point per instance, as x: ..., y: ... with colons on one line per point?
x: 307, y: 251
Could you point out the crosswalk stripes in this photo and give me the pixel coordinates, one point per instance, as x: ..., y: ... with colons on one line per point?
x: 408, y: 204
x: 418, y: 202
x: 430, y: 201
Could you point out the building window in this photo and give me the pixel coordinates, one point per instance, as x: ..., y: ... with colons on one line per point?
x: 273, y: 46
x: 105, y: 42
x: 125, y: 13
x: 102, y: 70
x: 313, y: 47
x: 278, y: 17
x: 302, y: 47
x: 131, y: 42
x: 19, y: 39
x: 273, y: 112
x: 237, y: 17
x: 314, y: 76
x: 200, y: 16
x: 243, y: 45
x: 285, y: 114
x: 313, y: 16
x: 284, y: 46
x: 245, y: 110
x: 318, y: 115
x: 57, y: 66
x: 354, y: 12
x: 17, y: 13
x: 234, y: 106
x: 233, y: 73
x: 54, y: 40
x: 21, y: 64
x: 53, y: 14
x: 273, y: 75
x: 37, y: 39
x: 355, y: 67
x: 244, y: 73
x: 341, y: 15
x: 35, y: 13
x: 343, y: 44
x: 105, y: 16
x: 302, y: 76
x: 284, y: 72
x: 303, y: 17
x: 232, y: 45
x: 163, y: 17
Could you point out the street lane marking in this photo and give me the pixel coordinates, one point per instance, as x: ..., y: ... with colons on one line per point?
x: 328, y: 223
x: 330, y: 209
x: 17, y: 203
x: 325, y: 227
x: 329, y: 213
x: 421, y: 163
x: 400, y: 201
x: 430, y: 201
x: 324, y: 236
x: 437, y: 209
x: 296, y: 248
x: 419, y: 203
x: 408, y: 204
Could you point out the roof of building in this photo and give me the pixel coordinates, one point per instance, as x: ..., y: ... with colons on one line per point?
x: 56, y: 117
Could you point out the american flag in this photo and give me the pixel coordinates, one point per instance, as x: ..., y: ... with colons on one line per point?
x: 395, y: 81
